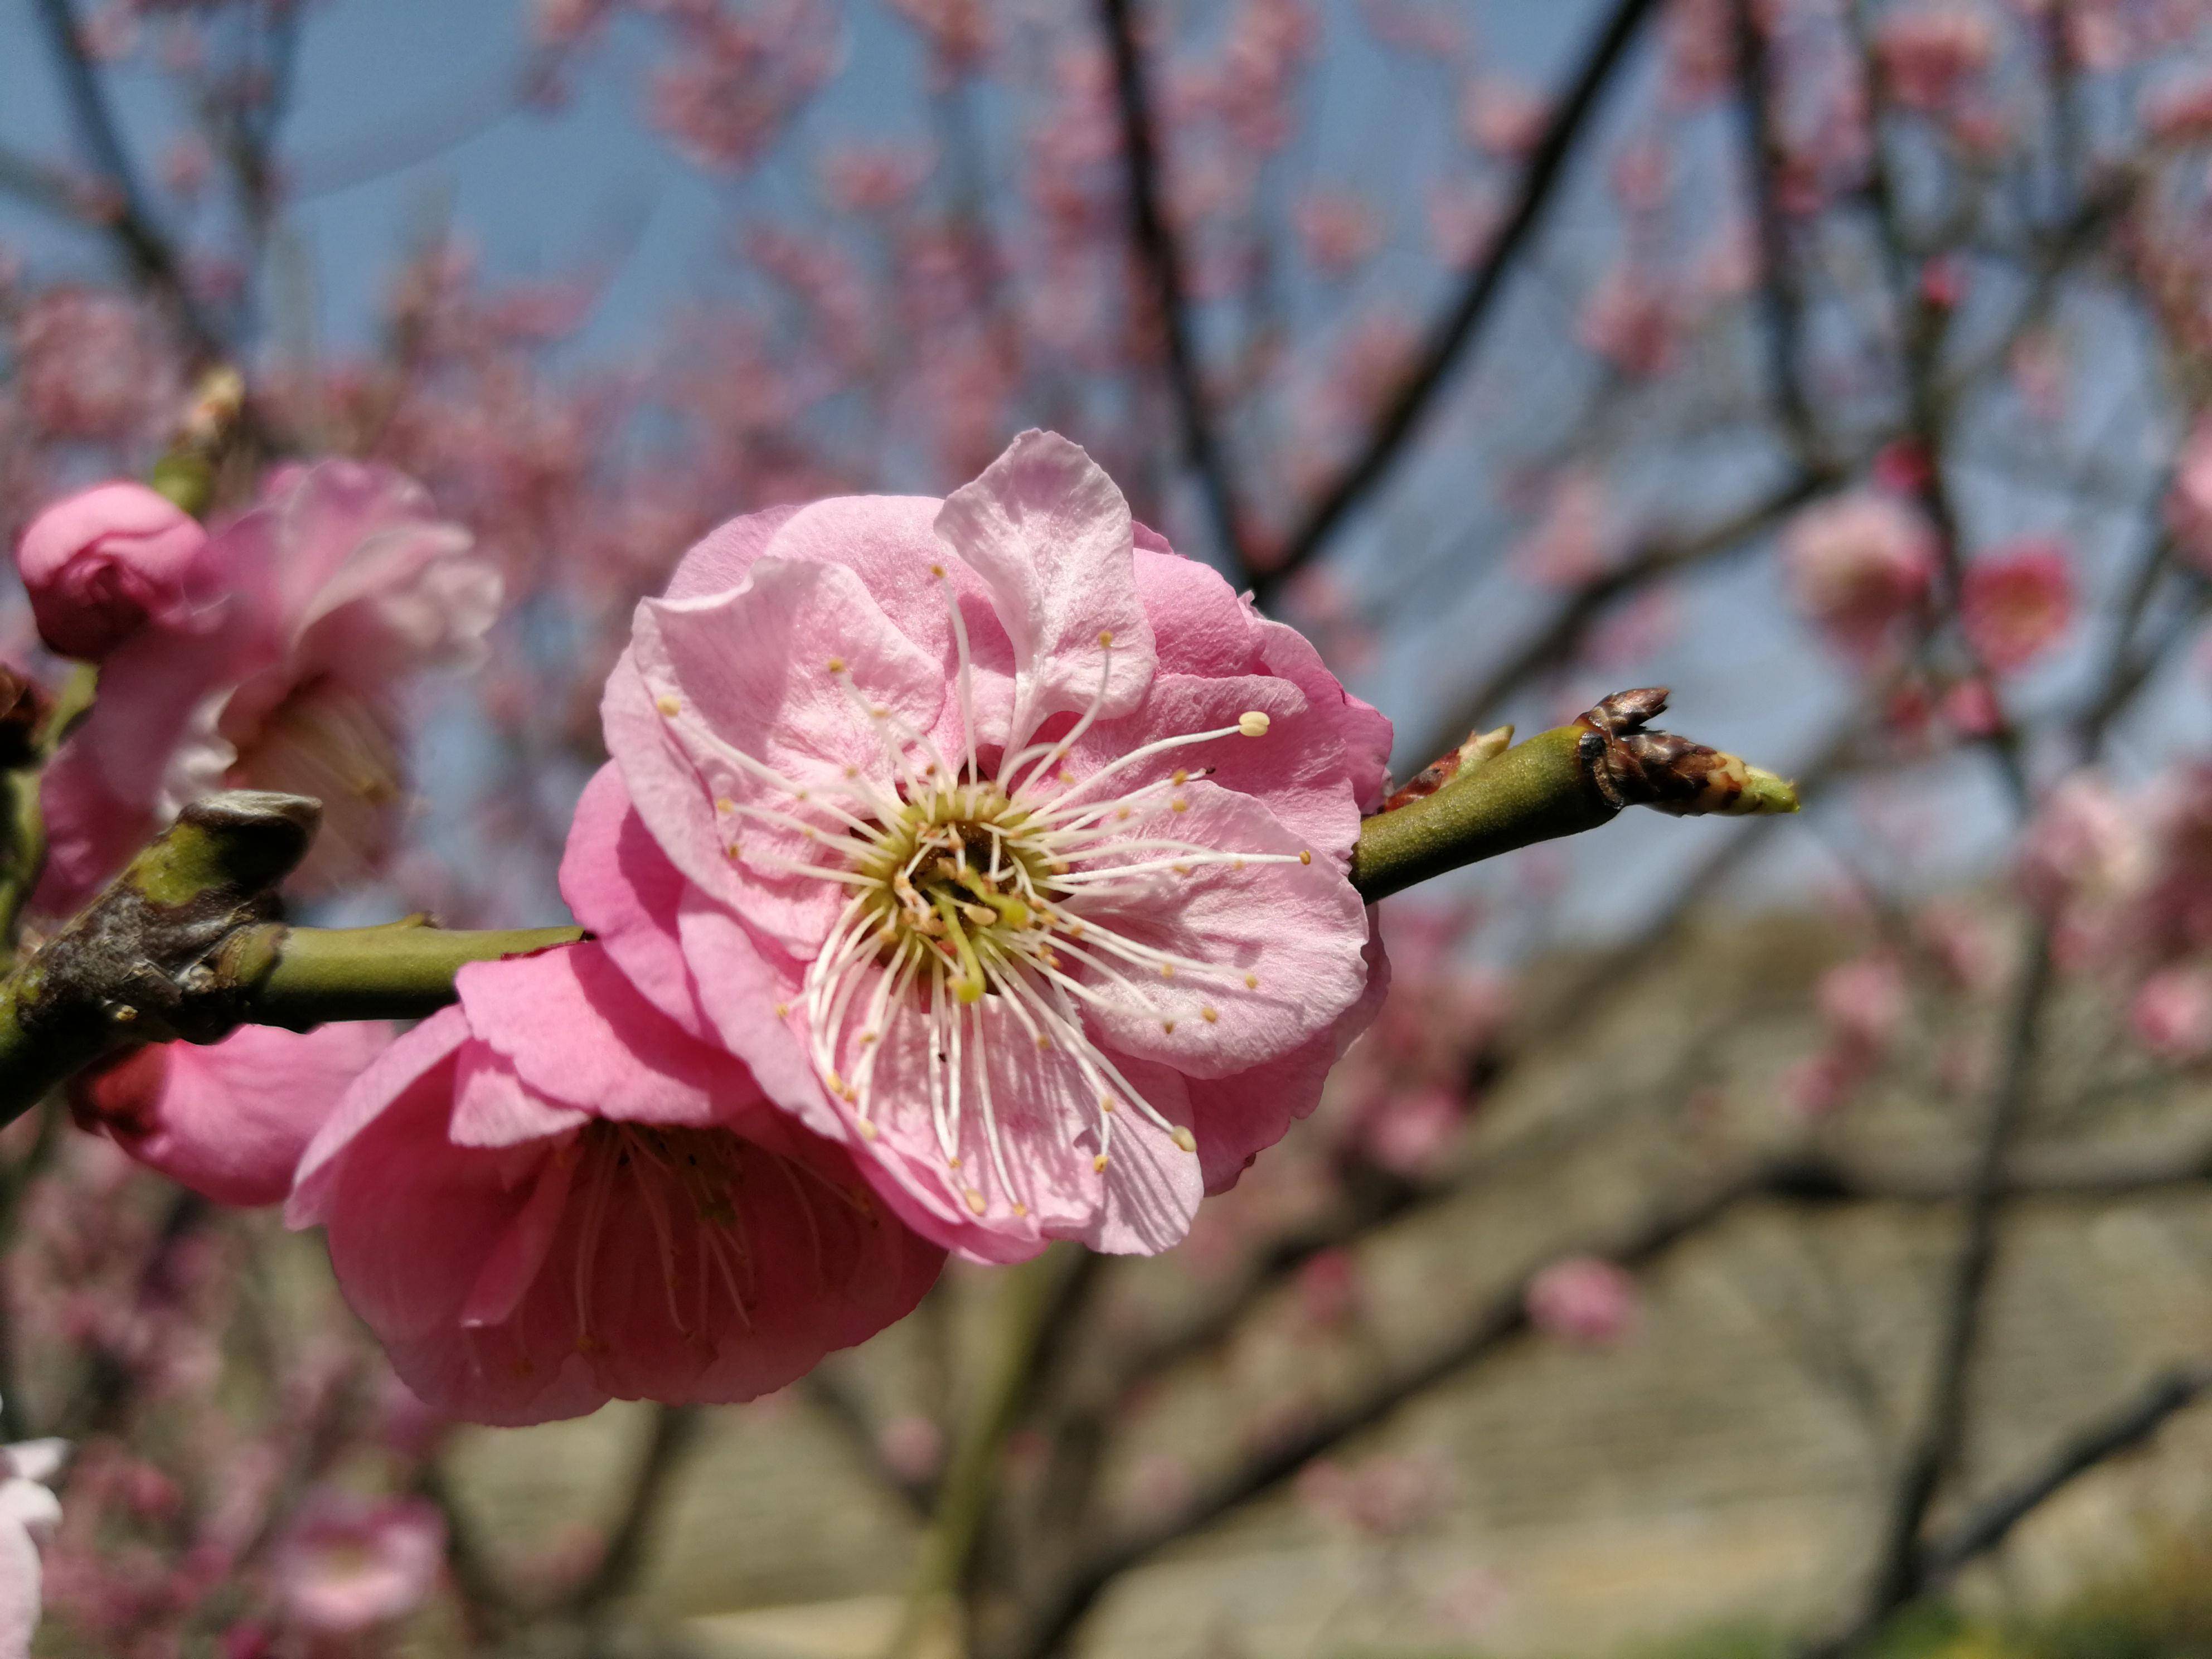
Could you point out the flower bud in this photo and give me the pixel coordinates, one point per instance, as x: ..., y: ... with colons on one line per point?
x: 101, y: 564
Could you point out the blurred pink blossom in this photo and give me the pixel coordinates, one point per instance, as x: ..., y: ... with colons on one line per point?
x: 102, y: 564
x: 1502, y: 116
x: 2171, y: 1014
x: 347, y: 1564
x: 1384, y: 1496
x: 1859, y: 569
x: 230, y: 1119
x: 1583, y: 1299
x: 912, y: 1446
x: 2180, y: 110
x: 1863, y: 1001
x: 2085, y: 844
x: 2017, y: 601
x: 1339, y: 230
x: 1929, y: 53
x: 1631, y: 322
x: 331, y: 594
x: 2189, y: 504
x: 88, y: 365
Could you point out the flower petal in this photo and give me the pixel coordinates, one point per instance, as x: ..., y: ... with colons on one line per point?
x: 1050, y: 533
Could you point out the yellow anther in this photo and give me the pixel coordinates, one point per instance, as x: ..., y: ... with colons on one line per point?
x: 1305, y: 855
x: 1184, y: 1139
x: 782, y: 1010
x: 1167, y: 970
x: 836, y: 665
x: 1098, y: 1163
x: 668, y: 706
x: 937, y: 570
x: 724, y: 804
x: 1252, y: 723
x: 974, y: 1201
x: 1182, y: 776
x: 867, y: 1130
x: 1167, y: 1025
x: 1105, y: 1102
x: 1178, y: 805
x: 836, y: 1083
x: 1208, y: 1015
x: 1105, y: 636
x: 1251, y: 981
x: 1043, y: 1042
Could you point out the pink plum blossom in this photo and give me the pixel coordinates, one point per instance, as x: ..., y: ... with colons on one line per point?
x: 548, y: 1196
x: 1002, y: 844
x: 2171, y: 1014
x: 2017, y: 601
x: 1583, y: 1299
x: 350, y: 1565
x: 327, y: 597
x: 2188, y: 502
x: 228, y: 1120
x: 1863, y: 1002
x: 1859, y: 567
x: 1928, y: 54
x: 101, y: 564
x: 28, y: 1517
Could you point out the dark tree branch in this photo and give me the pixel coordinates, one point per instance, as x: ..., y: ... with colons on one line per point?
x: 2123, y: 1430
x: 1900, y: 1572
x: 1559, y: 640
x: 152, y: 258
x: 1449, y: 339
x: 674, y: 1428
x: 1160, y: 250
x: 1782, y: 296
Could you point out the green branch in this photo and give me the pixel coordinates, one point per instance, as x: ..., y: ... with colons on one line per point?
x: 186, y: 943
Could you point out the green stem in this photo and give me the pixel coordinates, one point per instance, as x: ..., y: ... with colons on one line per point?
x: 185, y: 942
x: 1536, y: 791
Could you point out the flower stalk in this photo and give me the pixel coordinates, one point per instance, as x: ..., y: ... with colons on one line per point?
x: 186, y: 943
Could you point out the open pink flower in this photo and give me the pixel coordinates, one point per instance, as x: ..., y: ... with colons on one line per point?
x: 323, y: 599
x: 349, y: 1564
x: 1001, y: 842
x: 231, y: 1119
x: 2017, y: 601
x: 548, y: 1197
x: 103, y: 564
x: 1859, y: 567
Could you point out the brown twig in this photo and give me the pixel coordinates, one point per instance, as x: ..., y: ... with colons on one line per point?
x: 1160, y: 250
x: 1450, y: 336
x: 2122, y: 1430
x: 151, y: 256
x: 674, y: 1428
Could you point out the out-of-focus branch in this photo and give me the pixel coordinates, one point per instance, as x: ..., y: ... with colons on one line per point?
x: 1047, y: 1626
x: 2123, y: 1429
x: 1159, y: 249
x: 1449, y: 338
x: 1901, y: 1571
x: 1034, y: 1300
x: 842, y: 1404
x: 1558, y: 640
x: 1782, y: 296
x: 148, y: 249
x: 674, y: 1430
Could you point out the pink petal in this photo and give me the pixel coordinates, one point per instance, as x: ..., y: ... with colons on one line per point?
x: 621, y: 886
x: 1050, y: 533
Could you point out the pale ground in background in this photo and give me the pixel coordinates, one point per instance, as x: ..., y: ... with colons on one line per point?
x: 1725, y: 1462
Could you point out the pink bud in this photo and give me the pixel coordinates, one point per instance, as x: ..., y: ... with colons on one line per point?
x: 102, y: 563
